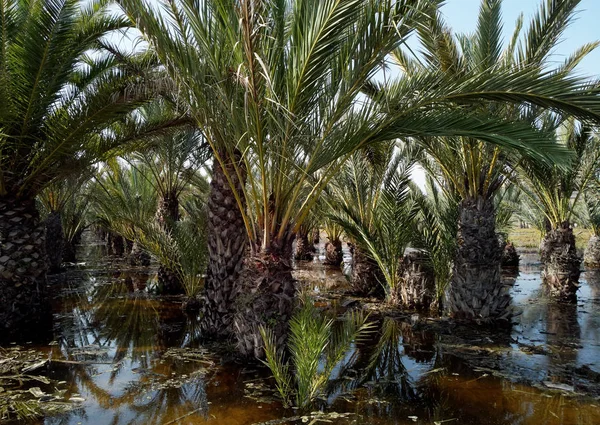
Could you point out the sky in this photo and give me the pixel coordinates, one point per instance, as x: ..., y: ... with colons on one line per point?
x: 461, y: 15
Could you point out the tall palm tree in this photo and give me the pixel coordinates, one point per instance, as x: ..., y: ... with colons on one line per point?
x: 275, y: 87
x: 591, y: 256
x: 506, y: 83
x: 554, y: 193
x: 63, y: 87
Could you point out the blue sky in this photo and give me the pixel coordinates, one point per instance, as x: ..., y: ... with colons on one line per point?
x: 461, y: 15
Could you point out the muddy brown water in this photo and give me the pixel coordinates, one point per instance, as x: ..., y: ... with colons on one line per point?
x: 124, y: 356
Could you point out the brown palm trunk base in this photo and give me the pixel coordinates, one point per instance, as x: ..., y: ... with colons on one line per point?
x: 167, y: 211
x: 476, y: 291
x: 315, y: 237
x: 561, y: 263
x: 138, y: 257
x: 304, y: 249
x: 333, y: 253
x: 170, y: 283
x: 70, y: 248
x: 417, y: 289
x: 115, y: 244
x: 54, y: 242
x: 227, y: 243
x: 24, y: 312
x: 591, y: 256
x: 510, y: 257
x: 266, y: 298
x: 367, y: 279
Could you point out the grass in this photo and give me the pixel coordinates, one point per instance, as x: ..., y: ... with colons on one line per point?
x: 530, y: 238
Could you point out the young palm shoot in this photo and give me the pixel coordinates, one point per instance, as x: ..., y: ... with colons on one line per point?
x: 316, y: 347
x: 436, y: 227
x: 385, y: 237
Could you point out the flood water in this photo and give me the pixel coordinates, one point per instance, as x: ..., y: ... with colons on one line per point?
x: 124, y: 356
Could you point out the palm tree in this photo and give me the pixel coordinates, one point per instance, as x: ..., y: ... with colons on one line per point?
x: 591, y: 256
x: 172, y: 165
x: 370, y: 202
x: 64, y: 206
x: 63, y: 87
x: 555, y: 193
x: 513, y: 83
x: 435, y: 237
x: 275, y: 88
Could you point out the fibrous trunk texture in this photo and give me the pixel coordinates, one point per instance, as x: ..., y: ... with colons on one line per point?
x: 115, y: 244
x: 167, y: 213
x: 70, y: 248
x: 333, y: 253
x: 591, y: 256
x: 266, y: 299
x: 510, y: 257
x: 476, y: 289
x: 227, y: 243
x: 138, y: 257
x: 23, y: 269
x: 561, y: 263
x: 367, y: 278
x: 315, y: 236
x: 304, y: 249
x: 417, y: 288
x: 55, y: 241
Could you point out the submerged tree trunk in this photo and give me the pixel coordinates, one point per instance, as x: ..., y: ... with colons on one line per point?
x: 70, y: 248
x: 510, y: 257
x: 227, y: 243
x: 333, y: 253
x: 23, y: 268
x: 55, y: 241
x: 417, y: 289
x: 304, y: 249
x: 367, y: 278
x: 476, y: 290
x: 138, y: 257
x: 591, y: 256
x: 561, y: 263
x: 266, y: 298
x: 167, y: 213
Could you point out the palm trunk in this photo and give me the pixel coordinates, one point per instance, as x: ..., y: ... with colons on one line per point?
x: 417, y: 288
x: 304, y: 249
x: 167, y: 211
x: 266, y: 299
x: 367, y: 278
x: 55, y: 241
x: 23, y: 269
x: 333, y: 253
x: 167, y: 214
x: 591, y: 257
x: 476, y: 289
x: 227, y: 243
x: 510, y: 257
x: 70, y: 248
x: 138, y: 257
x: 561, y: 263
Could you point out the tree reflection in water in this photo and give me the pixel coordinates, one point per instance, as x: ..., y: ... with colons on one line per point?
x: 111, y: 341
